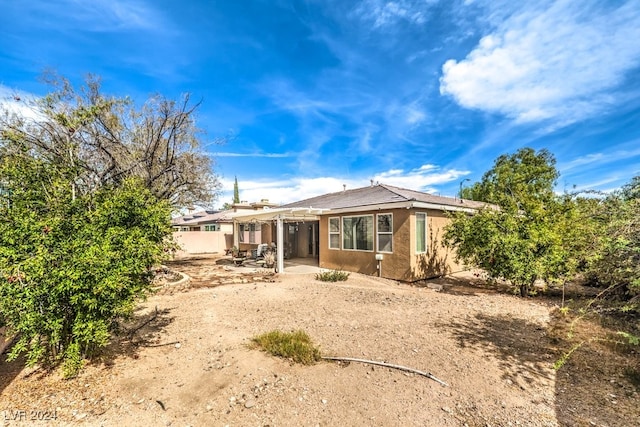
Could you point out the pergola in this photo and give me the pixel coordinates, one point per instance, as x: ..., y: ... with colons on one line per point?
x: 280, y: 216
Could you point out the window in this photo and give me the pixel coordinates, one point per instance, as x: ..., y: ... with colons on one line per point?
x: 334, y: 233
x: 385, y: 232
x: 248, y: 230
x: 184, y: 228
x: 212, y: 227
x: 357, y: 233
x: 421, y: 232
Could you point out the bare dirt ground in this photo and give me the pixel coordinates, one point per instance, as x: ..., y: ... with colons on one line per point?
x: 184, y: 360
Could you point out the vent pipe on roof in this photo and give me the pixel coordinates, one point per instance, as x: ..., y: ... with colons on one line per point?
x: 344, y: 187
x: 371, y: 182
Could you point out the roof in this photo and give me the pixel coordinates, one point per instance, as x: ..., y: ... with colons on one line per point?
x: 381, y: 194
x: 202, y: 217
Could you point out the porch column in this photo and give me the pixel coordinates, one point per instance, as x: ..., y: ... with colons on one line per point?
x: 235, y: 234
x: 280, y: 244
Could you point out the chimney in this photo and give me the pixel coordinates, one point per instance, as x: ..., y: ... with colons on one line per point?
x: 344, y: 187
x: 371, y: 182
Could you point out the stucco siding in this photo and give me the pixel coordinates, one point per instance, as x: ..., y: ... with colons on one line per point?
x: 404, y: 263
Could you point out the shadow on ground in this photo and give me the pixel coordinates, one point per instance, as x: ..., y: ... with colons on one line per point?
x: 9, y: 370
x: 600, y: 382
x: 520, y: 346
x: 142, y: 330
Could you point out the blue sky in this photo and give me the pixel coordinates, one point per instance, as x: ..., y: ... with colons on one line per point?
x: 319, y: 94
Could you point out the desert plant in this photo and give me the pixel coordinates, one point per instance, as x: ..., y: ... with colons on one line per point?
x: 296, y: 346
x: 269, y: 258
x: 332, y: 276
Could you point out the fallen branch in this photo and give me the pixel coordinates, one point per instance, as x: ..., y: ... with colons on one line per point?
x: 145, y: 323
x: 160, y: 345
x: 387, y: 365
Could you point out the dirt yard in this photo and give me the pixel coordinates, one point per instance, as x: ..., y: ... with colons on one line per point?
x: 184, y: 360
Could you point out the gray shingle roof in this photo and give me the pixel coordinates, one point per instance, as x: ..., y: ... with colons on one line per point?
x: 378, y: 194
x: 203, y: 217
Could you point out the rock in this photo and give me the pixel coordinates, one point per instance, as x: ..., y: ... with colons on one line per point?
x: 250, y: 403
x: 446, y: 409
x: 324, y: 401
x: 178, y: 345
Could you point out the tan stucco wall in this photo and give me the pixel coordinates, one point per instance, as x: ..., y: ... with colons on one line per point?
x: 439, y: 260
x: 403, y: 264
x: 198, y: 242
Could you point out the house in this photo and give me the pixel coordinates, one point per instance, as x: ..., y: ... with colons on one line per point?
x: 211, y: 231
x: 376, y: 230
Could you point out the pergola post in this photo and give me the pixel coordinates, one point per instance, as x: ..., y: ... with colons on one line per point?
x: 280, y: 244
x: 236, y: 231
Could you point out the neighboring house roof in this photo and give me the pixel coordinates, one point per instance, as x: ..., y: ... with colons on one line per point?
x: 382, y: 194
x: 203, y: 217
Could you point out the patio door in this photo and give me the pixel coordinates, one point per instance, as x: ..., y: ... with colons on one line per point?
x: 291, y: 241
x: 313, y: 240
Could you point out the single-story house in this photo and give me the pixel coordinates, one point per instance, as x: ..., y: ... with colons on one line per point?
x: 380, y: 230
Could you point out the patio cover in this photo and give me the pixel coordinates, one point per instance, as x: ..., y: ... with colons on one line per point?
x: 280, y: 215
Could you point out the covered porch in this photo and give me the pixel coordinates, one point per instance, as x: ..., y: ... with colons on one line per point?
x: 293, y: 232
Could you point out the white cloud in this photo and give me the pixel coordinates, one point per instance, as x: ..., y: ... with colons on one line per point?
x: 560, y: 61
x: 424, y: 178
x: 592, y: 160
x: 383, y: 13
x: 98, y: 15
x: 18, y: 103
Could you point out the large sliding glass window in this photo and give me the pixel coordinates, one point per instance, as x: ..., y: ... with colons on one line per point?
x: 357, y: 233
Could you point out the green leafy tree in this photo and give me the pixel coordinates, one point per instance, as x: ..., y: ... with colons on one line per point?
x: 617, y: 261
x: 525, y: 232
x: 76, y: 248
x: 236, y: 191
x: 71, y: 267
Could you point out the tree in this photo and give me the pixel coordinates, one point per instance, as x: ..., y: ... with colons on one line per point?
x: 617, y: 261
x: 524, y: 233
x: 104, y: 140
x: 72, y: 266
x: 236, y: 191
x: 87, y: 185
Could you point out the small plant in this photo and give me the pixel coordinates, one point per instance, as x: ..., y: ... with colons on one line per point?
x: 332, y: 276
x: 269, y: 258
x: 295, y: 345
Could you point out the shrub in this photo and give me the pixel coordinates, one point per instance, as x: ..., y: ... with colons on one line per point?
x: 295, y: 345
x: 72, y: 265
x: 332, y: 276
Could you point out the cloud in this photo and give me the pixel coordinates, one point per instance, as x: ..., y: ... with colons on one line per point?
x: 597, y: 159
x: 386, y: 13
x: 97, y: 15
x: 19, y: 103
x: 562, y: 60
x: 424, y: 178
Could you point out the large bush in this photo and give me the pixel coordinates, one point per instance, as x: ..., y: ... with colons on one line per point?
x: 71, y: 266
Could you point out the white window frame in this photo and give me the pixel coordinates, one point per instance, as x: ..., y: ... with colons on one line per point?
x: 354, y: 235
x: 384, y: 233
x: 426, y: 233
x: 333, y: 233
